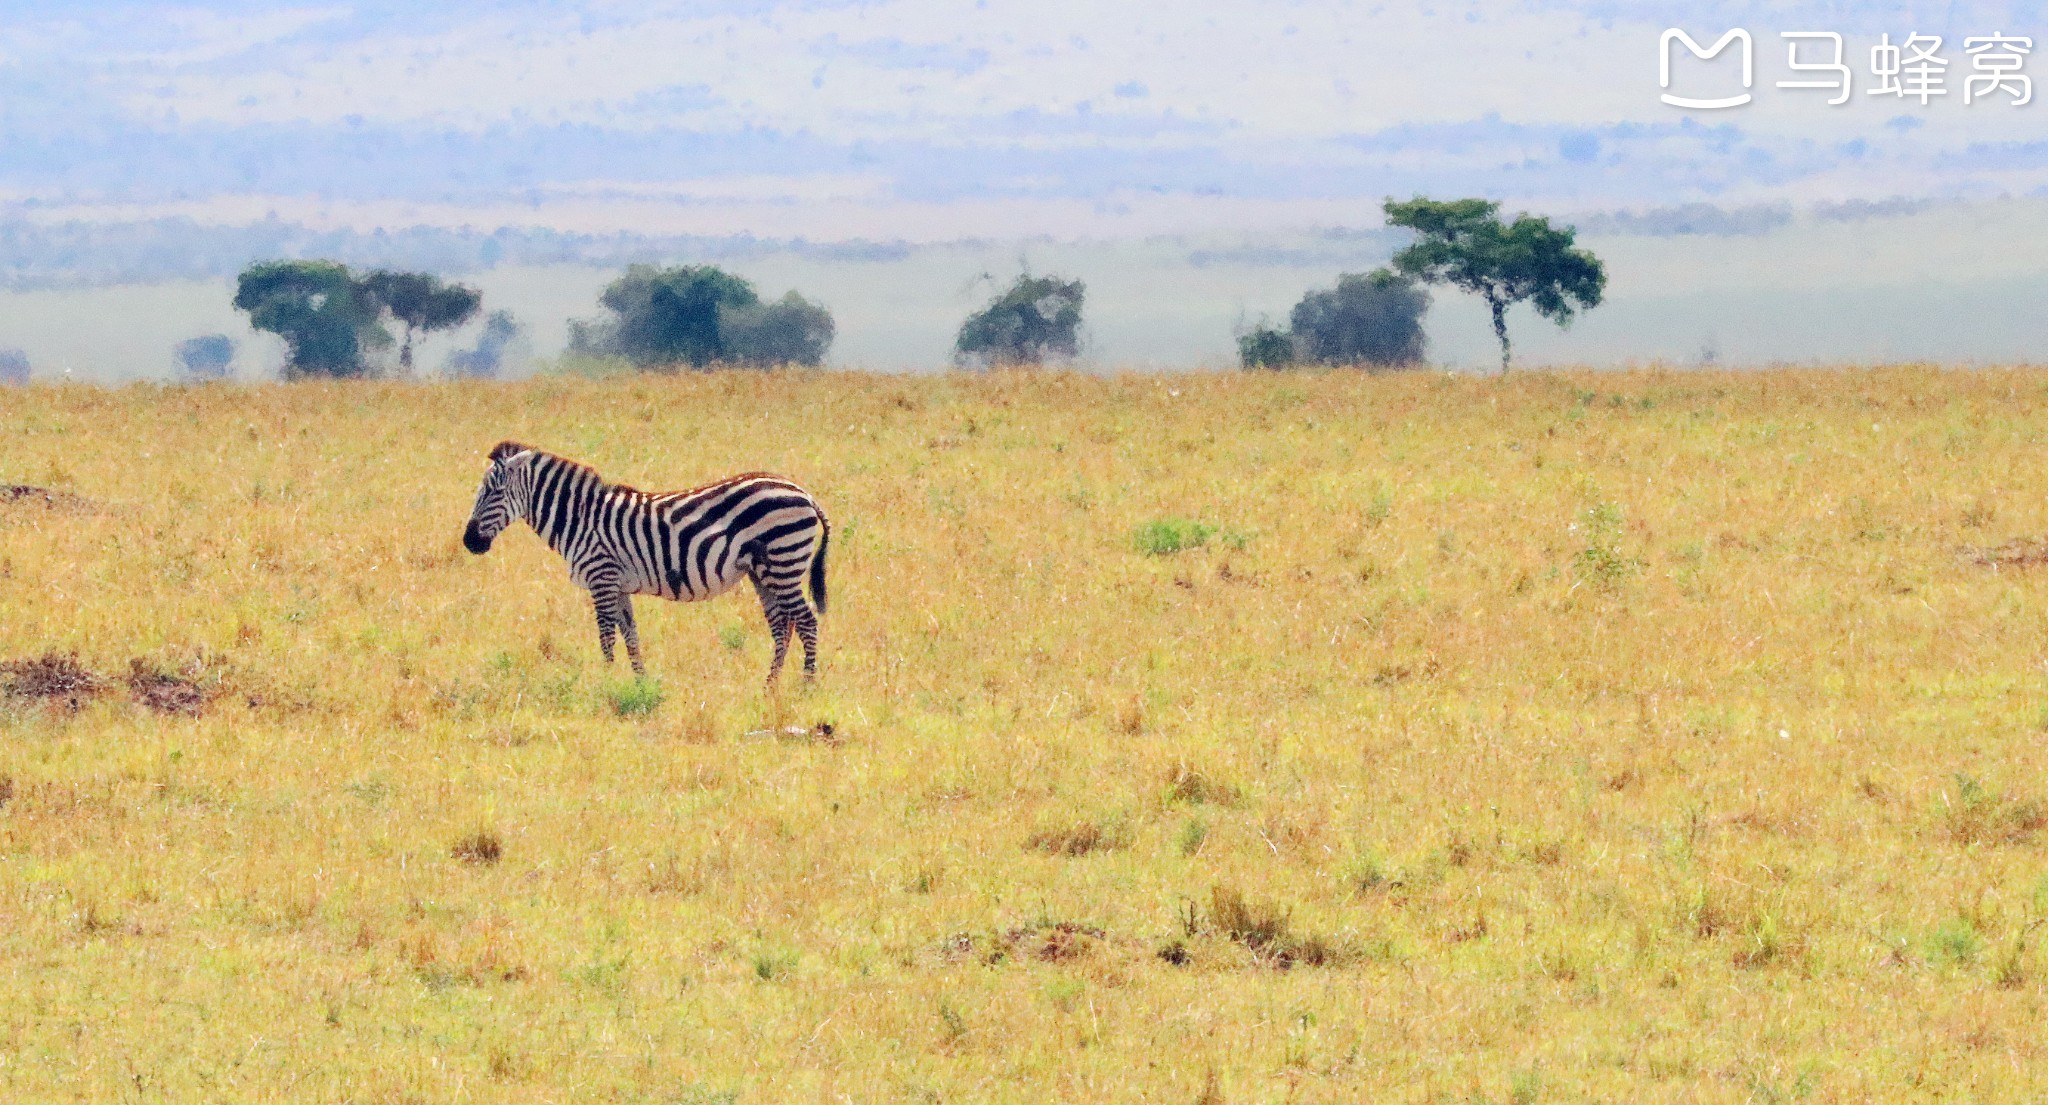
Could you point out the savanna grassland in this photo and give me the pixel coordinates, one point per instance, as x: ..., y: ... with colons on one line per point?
x: 1239, y: 738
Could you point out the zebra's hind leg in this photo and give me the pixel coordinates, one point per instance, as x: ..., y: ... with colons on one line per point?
x: 807, y: 628
x: 631, y: 632
x: 778, y: 628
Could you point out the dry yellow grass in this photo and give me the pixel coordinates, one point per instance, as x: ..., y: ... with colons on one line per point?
x: 1630, y: 737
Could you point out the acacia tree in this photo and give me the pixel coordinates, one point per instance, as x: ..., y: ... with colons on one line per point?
x: 1036, y: 320
x: 1465, y: 244
x: 324, y: 316
x: 421, y: 303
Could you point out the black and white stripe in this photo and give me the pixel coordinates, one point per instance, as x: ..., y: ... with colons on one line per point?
x: 679, y: 545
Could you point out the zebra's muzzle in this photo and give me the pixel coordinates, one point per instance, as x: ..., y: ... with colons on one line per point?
x: 475, y: 541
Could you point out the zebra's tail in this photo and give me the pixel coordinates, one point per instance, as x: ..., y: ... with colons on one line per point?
x: 818, y: 563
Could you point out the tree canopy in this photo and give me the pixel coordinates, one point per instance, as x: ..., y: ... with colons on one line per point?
x: 1037, y: 319
x: 1465, y: 244
x: 324, y: 316
x: 700, y: 316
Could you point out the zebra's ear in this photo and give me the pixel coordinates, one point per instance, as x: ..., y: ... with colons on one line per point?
x: 505, y: 449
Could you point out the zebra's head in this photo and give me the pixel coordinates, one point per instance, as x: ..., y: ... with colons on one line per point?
x: 501, y: 499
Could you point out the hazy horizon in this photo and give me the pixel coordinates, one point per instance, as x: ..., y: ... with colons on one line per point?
x: 1200, y: 168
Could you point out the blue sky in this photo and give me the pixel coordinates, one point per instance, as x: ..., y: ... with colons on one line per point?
x: 920, y: 120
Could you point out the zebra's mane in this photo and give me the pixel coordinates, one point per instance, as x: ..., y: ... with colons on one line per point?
x: 513, y: 448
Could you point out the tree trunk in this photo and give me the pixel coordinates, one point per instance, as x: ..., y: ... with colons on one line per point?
x: 1500, y: 329
x: 405, y: 352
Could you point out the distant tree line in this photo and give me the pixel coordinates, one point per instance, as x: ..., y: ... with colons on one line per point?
x: 333, y: 321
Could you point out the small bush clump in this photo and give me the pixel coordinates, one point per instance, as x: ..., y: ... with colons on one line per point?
x: 1167, y: 536
x: 1185, y: 783
x: 1976, y: 814
x: 1266, y: 930
x: 1080, y: 838
x: 481, y: 848
x: 636, y: 698
x: 1601, y: 561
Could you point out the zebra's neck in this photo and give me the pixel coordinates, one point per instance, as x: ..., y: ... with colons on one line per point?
x: 565, y: 501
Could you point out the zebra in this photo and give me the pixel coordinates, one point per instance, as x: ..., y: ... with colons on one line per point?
x: 685, y: 546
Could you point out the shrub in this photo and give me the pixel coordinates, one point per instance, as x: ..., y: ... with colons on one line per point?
x: 207, y: 357
x: 773, y: 963
x: 700, y: 316
x: 1265, y: 347
x: 1370, y: 318
x: 790, y: 331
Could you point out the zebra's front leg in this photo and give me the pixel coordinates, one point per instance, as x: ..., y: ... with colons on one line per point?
x: 605, y: 601
x: 631, y: 633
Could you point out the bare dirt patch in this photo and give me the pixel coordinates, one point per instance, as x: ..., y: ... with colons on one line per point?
x: 61, y: 681
x: 2020, y: 552
x: 55, y: 679
x: 19, y: 494
x: 166, y: 692
x: 1055, y: 943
